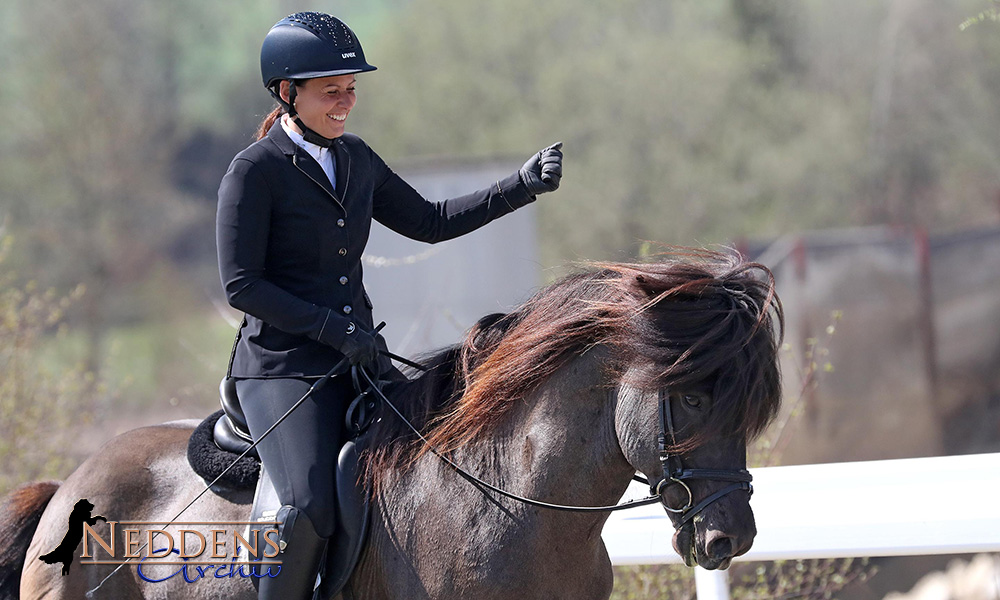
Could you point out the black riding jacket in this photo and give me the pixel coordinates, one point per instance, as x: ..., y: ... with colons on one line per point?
x: 290, y: 246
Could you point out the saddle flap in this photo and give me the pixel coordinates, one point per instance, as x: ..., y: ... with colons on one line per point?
x: 353, y: 516
x: 264, y: 511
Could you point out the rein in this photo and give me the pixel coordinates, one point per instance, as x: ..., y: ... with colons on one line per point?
x: 483, y: 486
x: 673, y: 471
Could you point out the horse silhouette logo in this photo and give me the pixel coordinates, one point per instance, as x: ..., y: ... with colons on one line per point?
x: 74, y: 535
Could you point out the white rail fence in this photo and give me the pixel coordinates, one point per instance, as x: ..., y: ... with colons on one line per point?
x: 940, y: 505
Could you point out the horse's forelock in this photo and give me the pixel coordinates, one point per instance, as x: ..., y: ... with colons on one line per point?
x: 713, y: 320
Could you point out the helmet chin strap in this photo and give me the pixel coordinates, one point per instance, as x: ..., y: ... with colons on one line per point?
x: 311, y: 136
x: 307, y: 134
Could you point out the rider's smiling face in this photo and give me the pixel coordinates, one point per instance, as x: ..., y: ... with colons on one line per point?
x: 324, y: 103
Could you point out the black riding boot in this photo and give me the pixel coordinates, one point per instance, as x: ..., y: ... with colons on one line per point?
x: 302, y: 549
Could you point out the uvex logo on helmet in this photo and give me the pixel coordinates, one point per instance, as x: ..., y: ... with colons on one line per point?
x: 348, y: 55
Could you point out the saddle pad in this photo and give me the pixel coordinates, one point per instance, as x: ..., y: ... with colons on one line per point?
x: 208, y: 460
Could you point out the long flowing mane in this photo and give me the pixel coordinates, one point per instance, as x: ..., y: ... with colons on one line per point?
x: 691, y: 317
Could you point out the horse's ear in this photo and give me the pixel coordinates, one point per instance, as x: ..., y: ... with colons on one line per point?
x: 644, y: 285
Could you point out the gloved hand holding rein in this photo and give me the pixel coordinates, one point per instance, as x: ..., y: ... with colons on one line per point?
x: 543, y: 171
x: 360, y: 348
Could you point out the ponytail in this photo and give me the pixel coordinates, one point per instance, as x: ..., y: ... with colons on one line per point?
x: 269, y: 120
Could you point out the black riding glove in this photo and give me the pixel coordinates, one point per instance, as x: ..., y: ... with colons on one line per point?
x: 543, y: 171
x: 360, y: 348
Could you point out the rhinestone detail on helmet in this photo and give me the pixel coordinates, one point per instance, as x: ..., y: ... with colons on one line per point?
x: 323, y: 25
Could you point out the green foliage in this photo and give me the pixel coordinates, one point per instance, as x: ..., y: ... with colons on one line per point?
x: 687, y: 123
x: 39, y: 398
x: 697, y: 122
x: 649, y: 582
x: 819, y: 579
x: 990, y: 14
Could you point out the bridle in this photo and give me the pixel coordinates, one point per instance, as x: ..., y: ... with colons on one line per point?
x: 674, y: 472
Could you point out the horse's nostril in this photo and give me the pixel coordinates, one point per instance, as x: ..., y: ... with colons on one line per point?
x: 721, y: 547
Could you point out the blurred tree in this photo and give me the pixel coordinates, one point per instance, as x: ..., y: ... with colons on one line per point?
x: 671, y: 132
x: 89, y: 122
x: 700, y: 123
x: 773, y: 24
x: 37, y: 404
x: 107, y: 93
x: 96, y: 107
x: 931, y: 132
x: 683, y: 122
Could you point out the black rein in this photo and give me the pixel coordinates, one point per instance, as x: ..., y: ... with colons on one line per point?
x: 673, y: 471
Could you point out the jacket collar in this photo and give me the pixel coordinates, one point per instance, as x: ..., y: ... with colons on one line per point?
x: 309, y: 166
x: 284, y: 143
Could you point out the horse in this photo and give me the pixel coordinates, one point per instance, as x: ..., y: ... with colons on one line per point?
x: 561, y: 400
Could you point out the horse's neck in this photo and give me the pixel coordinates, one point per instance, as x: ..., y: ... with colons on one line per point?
x: 560, y: 444
x: 437, y: 532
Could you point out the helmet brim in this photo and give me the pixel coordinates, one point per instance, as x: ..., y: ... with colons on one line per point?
x: 317, y: 74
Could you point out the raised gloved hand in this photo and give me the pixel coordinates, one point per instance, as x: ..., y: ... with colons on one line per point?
x: 360, y: 348
x: 543, y: 171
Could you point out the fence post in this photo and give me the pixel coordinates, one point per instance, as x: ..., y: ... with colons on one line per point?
x: 800, y: 258
x: 928, y: 338
x: 711, y: 585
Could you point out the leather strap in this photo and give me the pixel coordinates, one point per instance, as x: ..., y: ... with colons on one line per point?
x: 697, y: 508
x: 675, y: 473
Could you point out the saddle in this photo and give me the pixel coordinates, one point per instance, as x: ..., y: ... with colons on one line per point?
x: 230, y: 434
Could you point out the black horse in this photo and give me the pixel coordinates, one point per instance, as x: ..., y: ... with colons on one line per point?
x: 558, y: 401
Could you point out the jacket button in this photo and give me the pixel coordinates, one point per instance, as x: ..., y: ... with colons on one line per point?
x: 343, y: 280
x: 347, y: 309
x: 343, y: 251
x: 341, y: 223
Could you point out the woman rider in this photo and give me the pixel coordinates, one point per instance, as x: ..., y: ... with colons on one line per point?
x: 294, y: 214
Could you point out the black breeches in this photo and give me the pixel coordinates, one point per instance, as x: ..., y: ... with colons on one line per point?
x: 300, y: 454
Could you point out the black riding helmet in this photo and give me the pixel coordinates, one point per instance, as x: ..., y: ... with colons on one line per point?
x: 307, y: 45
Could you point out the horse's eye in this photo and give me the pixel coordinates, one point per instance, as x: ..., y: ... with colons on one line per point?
x: 691, y: 400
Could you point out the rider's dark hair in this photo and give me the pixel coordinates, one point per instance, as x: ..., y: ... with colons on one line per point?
x: 275, y: 114
x: 269, y: 120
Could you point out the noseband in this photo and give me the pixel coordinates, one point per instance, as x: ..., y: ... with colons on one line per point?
x: 674, y: 472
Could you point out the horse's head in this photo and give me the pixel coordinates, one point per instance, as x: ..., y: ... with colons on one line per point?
x: 699, y: 378
x: 705, y: 490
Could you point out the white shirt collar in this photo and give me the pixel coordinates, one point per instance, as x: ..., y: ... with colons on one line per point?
x: 322, y: 155
x: 314, y: 150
